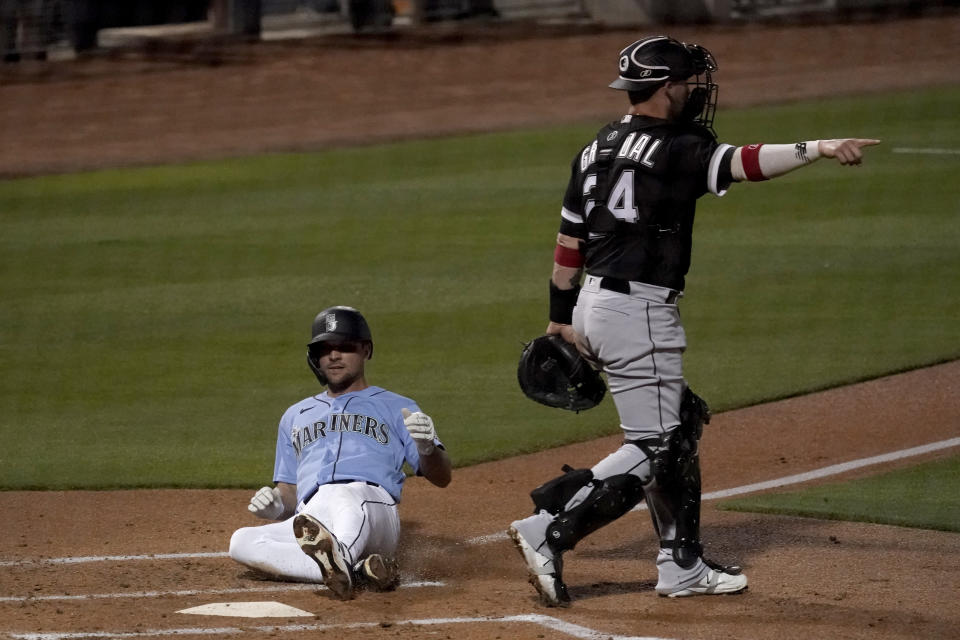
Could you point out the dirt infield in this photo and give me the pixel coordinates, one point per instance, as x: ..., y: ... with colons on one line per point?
x: 809, y: 578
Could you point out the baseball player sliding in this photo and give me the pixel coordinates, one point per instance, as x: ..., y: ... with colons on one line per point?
x: 621, y: 256
x: 339, y: 471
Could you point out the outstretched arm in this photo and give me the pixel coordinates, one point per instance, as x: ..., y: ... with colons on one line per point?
x: 764, y: 161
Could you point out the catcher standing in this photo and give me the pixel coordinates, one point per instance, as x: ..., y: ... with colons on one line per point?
x: 619, y: 265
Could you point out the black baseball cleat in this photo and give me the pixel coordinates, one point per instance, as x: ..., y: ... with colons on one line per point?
x: 318, y: 543
x: 545, y: 574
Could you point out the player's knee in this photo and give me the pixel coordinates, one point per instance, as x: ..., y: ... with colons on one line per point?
x: 694, y: 413
x: 554, y: 495
x: 241, y: 545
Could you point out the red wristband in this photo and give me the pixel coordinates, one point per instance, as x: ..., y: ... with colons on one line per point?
x: 750, y: 156
x: 567, y: 257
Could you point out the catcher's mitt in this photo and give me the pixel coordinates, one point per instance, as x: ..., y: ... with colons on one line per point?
x: 552, y: 372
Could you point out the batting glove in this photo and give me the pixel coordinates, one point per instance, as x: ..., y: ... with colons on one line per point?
x: 266, y: 503
x: 421, y: 429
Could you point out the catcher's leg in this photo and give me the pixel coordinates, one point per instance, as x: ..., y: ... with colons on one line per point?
x: 596, y: 505
x: 571, y: 507
x: 529, y: 535
x: 640, y: 343
x: 544, y: 569
x: 673, y: 497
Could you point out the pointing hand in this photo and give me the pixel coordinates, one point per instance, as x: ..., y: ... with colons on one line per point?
x: 847, y: 150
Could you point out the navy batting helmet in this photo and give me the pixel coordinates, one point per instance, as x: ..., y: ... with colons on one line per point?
x: 336, y: 324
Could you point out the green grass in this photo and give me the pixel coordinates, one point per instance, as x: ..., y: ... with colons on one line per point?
x: 153, y: 321
x: 926, y: 496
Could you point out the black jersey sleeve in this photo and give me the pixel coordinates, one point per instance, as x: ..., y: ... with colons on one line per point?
x: 705, y: 161
x: 719, y: 176
x: 572, y: 218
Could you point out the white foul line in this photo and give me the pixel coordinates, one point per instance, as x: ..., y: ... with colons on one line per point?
x: 548, y: 622
x: 928, y: 151
x: 83, y: 559
x: 834, y: 469
x: 195, y: 592
x: 501, y: 535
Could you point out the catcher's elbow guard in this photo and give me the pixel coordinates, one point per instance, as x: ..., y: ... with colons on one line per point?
x: 552, y: 372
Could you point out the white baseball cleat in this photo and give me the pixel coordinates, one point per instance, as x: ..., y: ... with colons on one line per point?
x: 545, y: 574
x: 713, y: 583
x: 318, y: 543
x: 380, y: 573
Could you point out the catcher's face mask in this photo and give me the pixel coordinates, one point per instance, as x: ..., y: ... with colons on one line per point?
x: 701, y: 106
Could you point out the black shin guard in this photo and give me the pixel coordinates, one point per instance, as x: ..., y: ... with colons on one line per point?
x: 674, y: 493
x: 684, y: 452
x: 609, y: 499
x: 686, y: 544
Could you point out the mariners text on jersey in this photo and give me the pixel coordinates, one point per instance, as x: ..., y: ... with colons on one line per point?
x: 302, y: 437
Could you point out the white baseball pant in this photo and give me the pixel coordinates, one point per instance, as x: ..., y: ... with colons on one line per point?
x: 362, y: 517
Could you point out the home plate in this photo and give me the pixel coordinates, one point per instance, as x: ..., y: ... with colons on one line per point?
x: 248, y: 610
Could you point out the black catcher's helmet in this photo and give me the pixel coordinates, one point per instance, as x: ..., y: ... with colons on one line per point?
x: 647, y: 64
x: 336, y: 323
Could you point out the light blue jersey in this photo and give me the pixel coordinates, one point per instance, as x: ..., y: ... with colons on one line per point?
x: 356, y: 436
